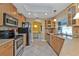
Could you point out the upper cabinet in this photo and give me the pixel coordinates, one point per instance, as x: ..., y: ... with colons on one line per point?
x: 21, y: 19
x: 12, y: 16
x: 50, y: 23
x: 71, y: 13
x: 68, y: 13
x: 7, y: 8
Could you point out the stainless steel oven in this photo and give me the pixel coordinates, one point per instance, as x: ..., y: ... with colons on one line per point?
x: 18, y: 46
x: 7, y: 34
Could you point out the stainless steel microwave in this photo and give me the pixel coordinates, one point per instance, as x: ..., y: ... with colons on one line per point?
x: 9, y: 20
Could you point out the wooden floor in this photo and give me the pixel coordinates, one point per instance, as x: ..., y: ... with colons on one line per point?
x: 38, y: 48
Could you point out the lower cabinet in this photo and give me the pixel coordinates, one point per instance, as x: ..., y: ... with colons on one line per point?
x: 26, y: 39
x: 7, y: 49
x: 56, y: 43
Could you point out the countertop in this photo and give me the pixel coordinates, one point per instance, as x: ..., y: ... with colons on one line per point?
x: 4, y: 41
x: 61, y: 36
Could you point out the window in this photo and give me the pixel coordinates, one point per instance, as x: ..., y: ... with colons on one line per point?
x: 67, y: 30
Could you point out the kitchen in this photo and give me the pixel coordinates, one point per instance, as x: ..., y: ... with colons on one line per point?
x: 63, y: 34
x: 13, y: 36
x: 60, y: 31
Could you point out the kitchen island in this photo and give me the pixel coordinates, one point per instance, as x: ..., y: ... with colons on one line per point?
x: 56, y: 42
x: 68, y: 47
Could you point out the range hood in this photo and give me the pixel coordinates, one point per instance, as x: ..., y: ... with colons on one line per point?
x: 76, y: 16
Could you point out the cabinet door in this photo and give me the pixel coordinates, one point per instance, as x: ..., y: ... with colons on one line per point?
x: 69, y: 19
x: 6, y: 49
x: 59, y: 43
x: 53, y: 42
x: 1, y: 18
x: 75, y: 31
x: 71, y: 14
x: 56, y: 44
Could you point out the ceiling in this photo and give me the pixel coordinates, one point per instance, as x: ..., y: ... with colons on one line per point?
x: 40, y: 10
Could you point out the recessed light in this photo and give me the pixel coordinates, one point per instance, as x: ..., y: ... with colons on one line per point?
x: 54, y: 19
x: 54, y: 10
x: 45, y: 13
x: 29, y: 13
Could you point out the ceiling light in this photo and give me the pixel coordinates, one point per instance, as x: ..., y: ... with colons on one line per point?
x: 35, y: 26
x: 29, y: 13
x: 76, y: 16
x: 45, y: 13
x: 54, y: 19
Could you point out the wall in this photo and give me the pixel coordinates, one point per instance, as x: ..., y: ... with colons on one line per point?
x: 42, y: 34
x: 36, y: 29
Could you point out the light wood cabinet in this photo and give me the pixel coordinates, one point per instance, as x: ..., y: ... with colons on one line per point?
x: 72, y: 10
x: 50, y: 23
x: 7, y: 8
x: 56, y: 43
x: 21, y: 19
x: 25, y: 39
x: 11, y: 10
x: 76, y: 31
x: 7, y: 49
x: 71, y: 14
x: 50, y: 26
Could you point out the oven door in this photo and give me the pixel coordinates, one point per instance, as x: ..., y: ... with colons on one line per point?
x: 4, y: 34
x: 19, y: 47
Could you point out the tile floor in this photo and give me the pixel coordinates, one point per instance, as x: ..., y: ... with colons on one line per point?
x: 38, y: 48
